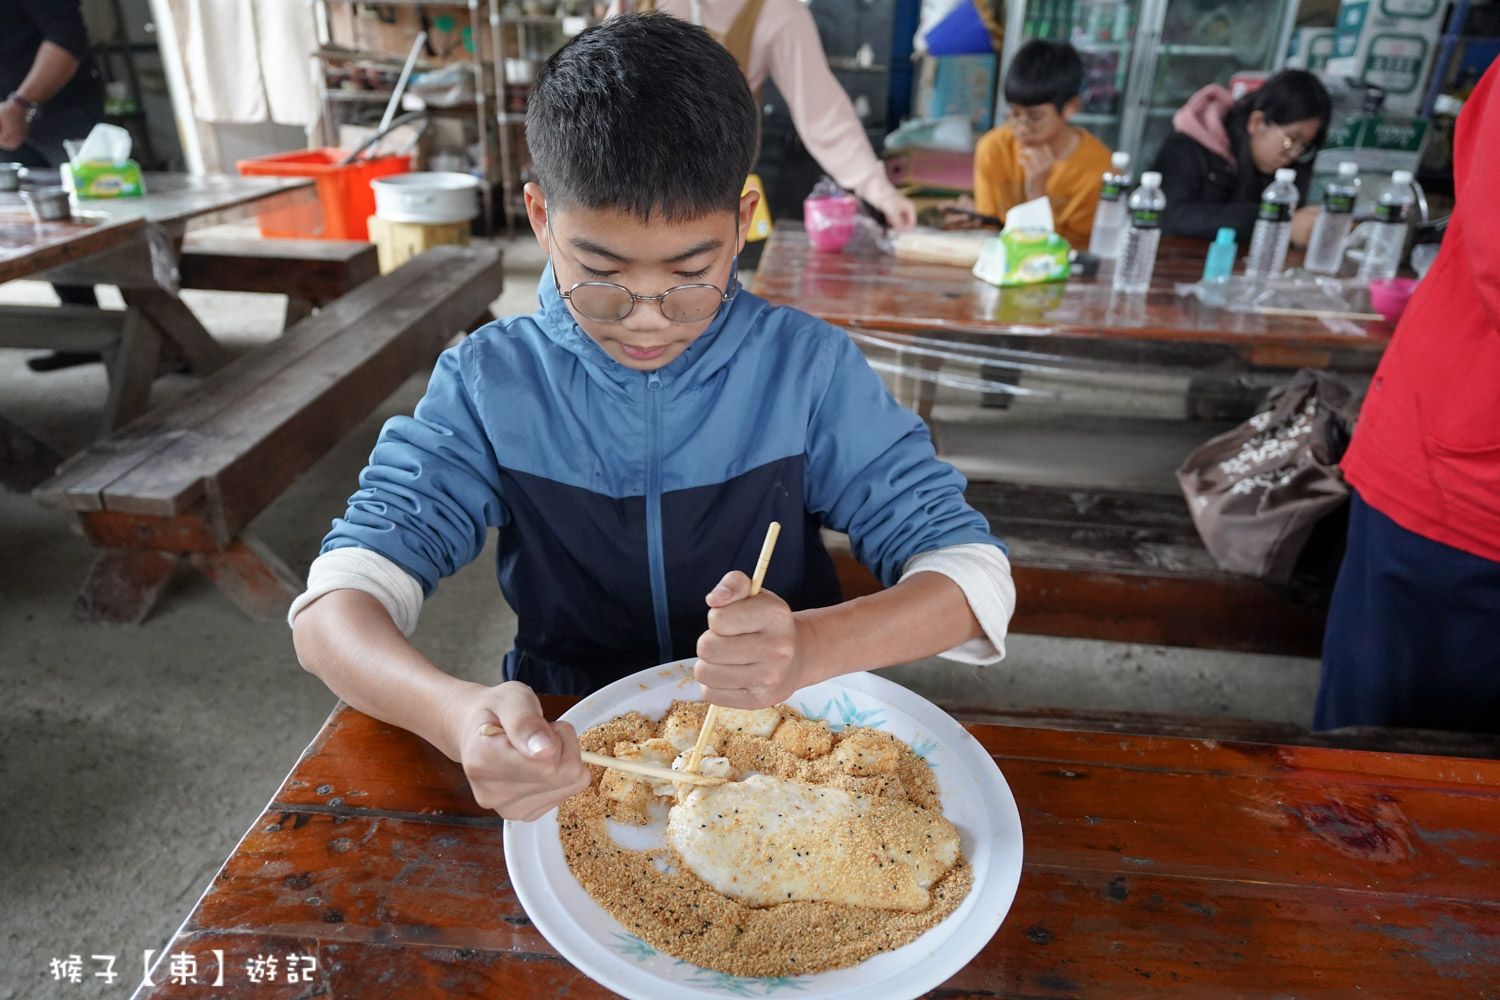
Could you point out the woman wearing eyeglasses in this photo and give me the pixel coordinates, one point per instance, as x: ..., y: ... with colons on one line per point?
x: 1224, y: 153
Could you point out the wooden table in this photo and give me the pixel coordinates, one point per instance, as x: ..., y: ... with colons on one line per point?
x: 28, y: 246
x: 173, y: 201
x: 133, y: 243
x: 869, y: 290
x: 1154, y: 866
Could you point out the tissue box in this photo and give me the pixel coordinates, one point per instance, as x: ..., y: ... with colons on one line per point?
x: 104, y: 180
x: 1023, y: 257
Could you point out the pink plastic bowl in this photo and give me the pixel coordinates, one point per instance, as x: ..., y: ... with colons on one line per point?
x: 1390, y: 295
x: 830, y: 221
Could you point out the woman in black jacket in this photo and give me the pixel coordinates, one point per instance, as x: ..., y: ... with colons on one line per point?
x: 1224, y: 154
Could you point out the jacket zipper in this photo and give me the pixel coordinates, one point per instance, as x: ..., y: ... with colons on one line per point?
x: 656, y: 558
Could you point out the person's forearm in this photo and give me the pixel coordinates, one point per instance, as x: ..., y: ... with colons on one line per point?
x: 50, y: 71
x: 348, y: 640
x: 921, y: 616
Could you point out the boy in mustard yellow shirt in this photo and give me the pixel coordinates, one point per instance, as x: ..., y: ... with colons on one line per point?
x: 1037, y: 152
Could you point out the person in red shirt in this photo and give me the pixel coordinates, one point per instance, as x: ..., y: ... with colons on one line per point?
x: 1413, y: 636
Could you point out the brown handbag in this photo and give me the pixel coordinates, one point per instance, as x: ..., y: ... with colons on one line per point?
x: 1257, y: 491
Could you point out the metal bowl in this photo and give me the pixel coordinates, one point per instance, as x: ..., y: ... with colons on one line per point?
x: 49, y: 204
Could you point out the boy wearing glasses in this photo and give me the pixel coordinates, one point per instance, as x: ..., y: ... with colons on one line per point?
x: 1037, y: 152
x: 631, y: 440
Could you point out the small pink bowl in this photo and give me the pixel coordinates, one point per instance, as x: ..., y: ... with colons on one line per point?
x: 1389, y: 296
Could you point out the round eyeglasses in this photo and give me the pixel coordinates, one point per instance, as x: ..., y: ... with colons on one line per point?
x: 607, y: 302
x: 1300, y: 150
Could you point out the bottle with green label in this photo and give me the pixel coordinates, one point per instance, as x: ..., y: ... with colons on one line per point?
x: 1141, y: 237
x: 1325, y: 251
x: 1109, y: 217
x: 1273, y: 227
x: 1392, y: 218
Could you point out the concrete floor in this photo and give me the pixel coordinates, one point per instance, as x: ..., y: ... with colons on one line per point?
x: 133, y: 759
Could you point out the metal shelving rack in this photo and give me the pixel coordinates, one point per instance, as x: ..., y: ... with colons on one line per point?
x: 505, y: 172
x: 476, y: 62
x: 505, y: 119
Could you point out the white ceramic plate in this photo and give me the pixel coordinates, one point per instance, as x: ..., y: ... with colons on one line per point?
x: 974, y: 795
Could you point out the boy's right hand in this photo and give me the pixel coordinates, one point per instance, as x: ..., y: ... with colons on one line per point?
x: 528, y: 769
x: 1036, y: 163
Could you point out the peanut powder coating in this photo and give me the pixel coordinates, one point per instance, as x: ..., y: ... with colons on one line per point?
x: 890, y: 808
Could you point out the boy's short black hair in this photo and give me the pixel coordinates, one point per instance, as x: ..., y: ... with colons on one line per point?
x: 1044, y: 72
x: 643, y: 113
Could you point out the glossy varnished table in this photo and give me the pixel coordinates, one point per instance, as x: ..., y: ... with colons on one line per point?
x: 1154, y: 866
x: 868, y: 290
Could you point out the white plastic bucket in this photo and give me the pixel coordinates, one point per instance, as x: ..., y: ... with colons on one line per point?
x: 426, y: 197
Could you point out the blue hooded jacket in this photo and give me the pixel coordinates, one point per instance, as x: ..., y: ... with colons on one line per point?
x: 622, y: 497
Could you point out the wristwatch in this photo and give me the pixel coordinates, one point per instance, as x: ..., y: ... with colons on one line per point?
x: 32, y: 108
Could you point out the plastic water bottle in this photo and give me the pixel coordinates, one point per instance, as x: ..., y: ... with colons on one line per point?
x: 1273, y: 227
x: 1388, y: 242
x: 1325, y: 249
x: 1109, y: 217
x: 1139, y: 240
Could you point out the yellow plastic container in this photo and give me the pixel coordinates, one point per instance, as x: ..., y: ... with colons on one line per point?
x: 398, y: 242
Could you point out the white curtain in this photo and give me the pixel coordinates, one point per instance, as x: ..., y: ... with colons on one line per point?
x: 249, y: 61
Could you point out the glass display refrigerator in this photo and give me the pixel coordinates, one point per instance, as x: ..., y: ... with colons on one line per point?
x: 1142, y: 59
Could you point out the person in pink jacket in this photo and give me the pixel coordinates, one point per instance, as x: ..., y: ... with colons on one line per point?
x: 778, y: 39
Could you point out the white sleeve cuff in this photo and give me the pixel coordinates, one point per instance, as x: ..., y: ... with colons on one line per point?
x: 353, y: 568
x: 982, y: 572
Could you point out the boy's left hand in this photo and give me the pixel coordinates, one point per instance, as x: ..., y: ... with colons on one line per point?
x: 753, y: 654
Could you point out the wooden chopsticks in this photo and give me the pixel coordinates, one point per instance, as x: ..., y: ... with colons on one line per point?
x: 689, y: 775
x: 773, y: 531
x: 634, y: 767
x: 1364, y: 317
x: 650, y: 770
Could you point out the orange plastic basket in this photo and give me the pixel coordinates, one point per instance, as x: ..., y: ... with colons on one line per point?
x: 345, y: 200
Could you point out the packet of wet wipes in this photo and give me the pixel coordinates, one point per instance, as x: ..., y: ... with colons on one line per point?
x: 1023, y: 257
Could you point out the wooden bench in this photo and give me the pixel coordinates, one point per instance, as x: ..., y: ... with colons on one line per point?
x: 187, y: 477
x: 1127, y: 567
x: 310, y: 273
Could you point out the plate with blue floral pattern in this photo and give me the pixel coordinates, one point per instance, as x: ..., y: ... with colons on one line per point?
x: 974, y: 796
